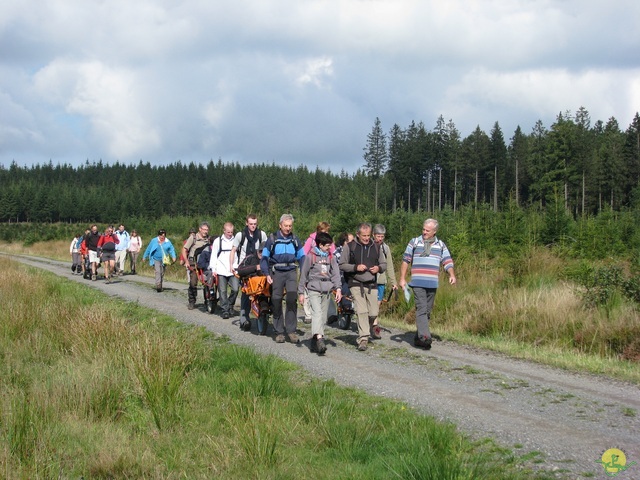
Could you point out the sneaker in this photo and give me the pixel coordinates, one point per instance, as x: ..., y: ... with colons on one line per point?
x: 321, y: 348
x: 280, y: 338
x: 191, y: 306
x: 225, y: 315
x: 293, y: 337
x: 422, y: 343
x: 375, y: 332
x: 107, y: 280
x: 362, y: 345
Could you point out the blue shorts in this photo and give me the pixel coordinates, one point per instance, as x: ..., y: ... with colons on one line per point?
x: 380, y: 292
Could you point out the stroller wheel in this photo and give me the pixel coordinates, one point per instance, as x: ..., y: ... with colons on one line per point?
x: 344, y: 321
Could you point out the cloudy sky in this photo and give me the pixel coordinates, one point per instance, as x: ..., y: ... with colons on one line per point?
x: 298, y: 81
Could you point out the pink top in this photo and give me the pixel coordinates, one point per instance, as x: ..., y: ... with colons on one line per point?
x: 311, y: 242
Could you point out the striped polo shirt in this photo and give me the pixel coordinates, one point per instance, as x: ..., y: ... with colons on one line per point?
x: 425, y: 270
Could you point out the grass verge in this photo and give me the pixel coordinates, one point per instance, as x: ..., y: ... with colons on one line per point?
x: 99, y: 388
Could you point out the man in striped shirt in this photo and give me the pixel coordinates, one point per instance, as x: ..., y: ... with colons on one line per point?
x: 425, y: 254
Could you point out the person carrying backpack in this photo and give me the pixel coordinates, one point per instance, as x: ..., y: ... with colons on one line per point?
x: 191, y: 250
x: 319, y: 276
x: 281, y: 256
x: 245, y: 244
x: 228, y: 283
x: 361, y: 261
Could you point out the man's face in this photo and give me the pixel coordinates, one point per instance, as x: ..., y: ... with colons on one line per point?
x: 428, y: 231
x: 121, y: 228
x: 364, y: 235
x: 286, y: 227
x: 378, y: 238
x: 94, y: 229
x: 252, y: 224
x: 228, y: 232
x: 204, y: 231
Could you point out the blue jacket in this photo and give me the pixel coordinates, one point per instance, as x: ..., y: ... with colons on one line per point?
x: 154, y: 250
x: 281, y: 253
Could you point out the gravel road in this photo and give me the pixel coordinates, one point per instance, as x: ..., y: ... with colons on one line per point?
x: 569, y: 418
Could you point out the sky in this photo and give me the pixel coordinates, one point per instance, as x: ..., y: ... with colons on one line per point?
x: 298, y: 82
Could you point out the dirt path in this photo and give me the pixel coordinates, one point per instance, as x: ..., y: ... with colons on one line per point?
x: 570, y: 419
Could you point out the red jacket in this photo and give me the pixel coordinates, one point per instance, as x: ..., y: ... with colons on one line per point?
x: 108, y: 242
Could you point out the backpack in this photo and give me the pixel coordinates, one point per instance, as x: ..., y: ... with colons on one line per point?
x: 244, y: 237
x: 275, y: 240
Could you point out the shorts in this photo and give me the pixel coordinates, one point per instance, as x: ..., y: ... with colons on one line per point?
x: 381, y: 292
x: 106, y: 256
x: 93, y: 257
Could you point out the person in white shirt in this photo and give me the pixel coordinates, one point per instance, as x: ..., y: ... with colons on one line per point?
x: 228, y: 283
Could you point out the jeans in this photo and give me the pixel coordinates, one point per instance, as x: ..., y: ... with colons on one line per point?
x: 226, y: 300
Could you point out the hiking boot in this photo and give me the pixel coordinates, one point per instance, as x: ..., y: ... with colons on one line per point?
x: 362, y: 345
x: 233, y: 313
x: 158, y: 287
x: 225, y: 315
x: 422, y: 343
x: 280, y: 338
x: 293, y: 337
x: 191, y: 306
x: 375, y: 332
x: 246, y: 326
x: 94, y: 276
x: 321, y: 348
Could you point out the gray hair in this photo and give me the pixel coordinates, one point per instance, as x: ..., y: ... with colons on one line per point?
x: 285, y: 216
x: 205, y: 224
x: 379, y: 229
x: 364, y: 226
x: 433, y: 221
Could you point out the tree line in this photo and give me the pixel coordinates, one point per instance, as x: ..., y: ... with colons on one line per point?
x: 411, y: 169
x: 589, y: 166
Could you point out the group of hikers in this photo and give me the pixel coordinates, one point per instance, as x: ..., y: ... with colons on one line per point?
x: 355, y: 271
x: 110, y: 249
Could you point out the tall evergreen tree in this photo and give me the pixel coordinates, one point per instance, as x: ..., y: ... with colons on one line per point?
x: 375, y: 155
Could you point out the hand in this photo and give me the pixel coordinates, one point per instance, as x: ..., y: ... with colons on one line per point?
x: 375, y: 269
x: 452, y: 279
x: 301, y: 299
x: 269, y: 279
x: 402, y: 283
x: 338, y: 296
x: 361, y: 268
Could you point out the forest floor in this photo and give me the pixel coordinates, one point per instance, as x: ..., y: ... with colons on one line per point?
x: 562, y: 421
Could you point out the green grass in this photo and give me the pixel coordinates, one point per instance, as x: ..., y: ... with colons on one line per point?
x: 94, y: 387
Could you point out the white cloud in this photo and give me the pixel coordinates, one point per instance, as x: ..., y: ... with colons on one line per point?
x: 298, y: 81
x: 111, y: 99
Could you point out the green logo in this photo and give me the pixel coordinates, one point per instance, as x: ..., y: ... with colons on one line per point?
x: 614, y: 461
